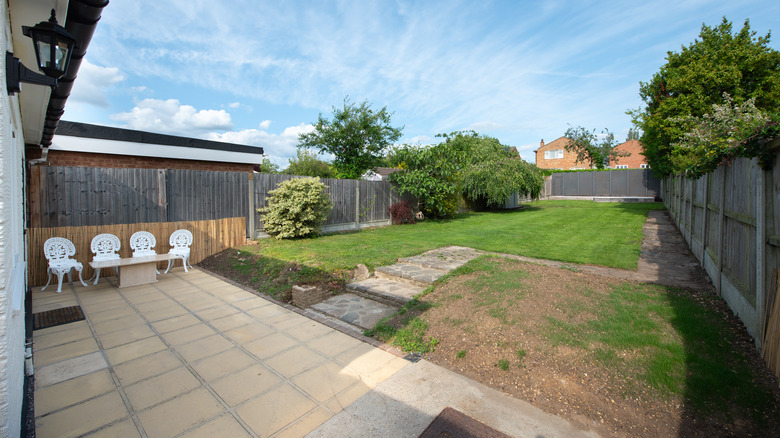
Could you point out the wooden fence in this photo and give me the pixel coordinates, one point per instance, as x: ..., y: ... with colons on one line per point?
x: 78, y: 196
x: 731, y: 220
x: 356, y: 203
x: 617, y: 182
x: 209, y: 237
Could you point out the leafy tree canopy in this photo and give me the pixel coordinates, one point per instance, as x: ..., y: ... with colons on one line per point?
x: 266, y: 166
x: 719, y: 61
x: 306, y: 163
x: 357, y: 136
x: 596, y: 150
x: 463, y: 164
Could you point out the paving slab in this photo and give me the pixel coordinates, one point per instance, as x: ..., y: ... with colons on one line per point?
x: 407, y: 272
x: 388, y: 291
x: 406, y: 403
x: 444, y: 259
x: 355, y: 310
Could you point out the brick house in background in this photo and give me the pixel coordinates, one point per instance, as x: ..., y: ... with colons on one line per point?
x: 85, y: 145
x: 634, y: 161
x: 553, y: 155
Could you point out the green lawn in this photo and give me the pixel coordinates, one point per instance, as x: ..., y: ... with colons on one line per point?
x: 607, y: 234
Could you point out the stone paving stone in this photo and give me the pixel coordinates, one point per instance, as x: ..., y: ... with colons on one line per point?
x: 188, y: 334
x: 123, y: 323
x: 224, y: 426
x: 232, y: 321
x: 252, y: 303
x: 221, y: 365
x: 265, y: 313
x: 124, y: 429
x: 373, y: 365
x: 217, y: 312
x: 203, y: 348
x: 325, y: 381
x: 134, y: 350
x: 275, y: 409
x: 417, y: 274
x: 386, y: 289
x: 111, y: 314
x: 60, y: 328
x: 245, y: 384
x: 67, y: 351
x: 445, y: 259
x: 295, y: 361
x: 127, y: 335
x: 180, y: 414
x: 72, y: 391
x: 147, y: 366
x: 270, y: 345
x: 94, y: 307
x: 82, y: 418
x: 306, y: 424
x: 333, y: 343
x: 175, y: 323
x: 160, y: 388
x: 356, y: 310
x: 248, y: 333
x: 308, y: 330
x: 77, y: 332
x: 69, y: 369
x: 164, y: 313
x: 345, y: 398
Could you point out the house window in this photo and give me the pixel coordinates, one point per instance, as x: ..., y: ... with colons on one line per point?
x: 551, y: 155
x: 643, y: 166
x: 621, y: 166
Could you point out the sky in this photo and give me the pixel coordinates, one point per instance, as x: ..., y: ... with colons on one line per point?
x: 260, y: 73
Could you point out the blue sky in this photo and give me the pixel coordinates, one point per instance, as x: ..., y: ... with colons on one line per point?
x: 259, y: 73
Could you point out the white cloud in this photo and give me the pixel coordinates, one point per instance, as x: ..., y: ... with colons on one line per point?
x: 279, y: 147
x: 171, y: 117
x: 265, y: 124
x: 93, y: 83
x: 234, y: 105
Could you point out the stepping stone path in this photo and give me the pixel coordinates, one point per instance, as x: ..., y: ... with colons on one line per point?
x: 370, y: 300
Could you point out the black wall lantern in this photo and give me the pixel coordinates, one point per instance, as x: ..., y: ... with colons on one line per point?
x: 53, y: 47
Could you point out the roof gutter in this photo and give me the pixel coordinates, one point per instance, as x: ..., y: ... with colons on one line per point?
x: 82, y: 19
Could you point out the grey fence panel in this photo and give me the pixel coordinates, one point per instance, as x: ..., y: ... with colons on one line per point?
x: 618, y: 182
x: 587, y: 183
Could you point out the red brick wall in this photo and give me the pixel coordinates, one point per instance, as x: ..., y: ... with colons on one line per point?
x: 83, y: 159
x: 565, y: 163
x: 635, y: 160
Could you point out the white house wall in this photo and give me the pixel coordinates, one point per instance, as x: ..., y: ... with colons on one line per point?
x: 12, y: 256
x: 114, y: 147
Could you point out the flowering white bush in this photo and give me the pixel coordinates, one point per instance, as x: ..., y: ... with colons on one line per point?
x: 296, y: 208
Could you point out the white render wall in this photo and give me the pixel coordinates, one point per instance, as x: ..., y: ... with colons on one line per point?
x: 12, y: 254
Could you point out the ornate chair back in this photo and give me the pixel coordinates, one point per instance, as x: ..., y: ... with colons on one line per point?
x: 105, y: 247
x: 142, y: 243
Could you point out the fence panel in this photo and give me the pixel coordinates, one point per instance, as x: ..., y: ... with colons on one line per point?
x: 618, y: 182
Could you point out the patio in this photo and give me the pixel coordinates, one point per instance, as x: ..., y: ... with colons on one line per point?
x: 193, y: 355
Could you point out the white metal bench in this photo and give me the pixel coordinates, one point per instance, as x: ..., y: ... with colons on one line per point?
x: 58, y: 251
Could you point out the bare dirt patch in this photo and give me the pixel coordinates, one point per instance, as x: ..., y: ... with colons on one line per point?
x: 520, y: 337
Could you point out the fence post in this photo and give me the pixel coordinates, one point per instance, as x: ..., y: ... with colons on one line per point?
x: 357, y: 204
x: 250, y: 217
x: 760, y: 253
x: 705, y: 224
x: 721, y: 231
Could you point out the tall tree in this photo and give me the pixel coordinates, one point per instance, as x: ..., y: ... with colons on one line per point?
x: 691, y: 81
x: 594, y: 149
x: 266, y: 166
x: 633, y: 134
x: 357, y: 136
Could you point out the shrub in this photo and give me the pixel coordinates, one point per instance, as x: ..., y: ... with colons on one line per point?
x: 401, y: 212
x: 296, y: 208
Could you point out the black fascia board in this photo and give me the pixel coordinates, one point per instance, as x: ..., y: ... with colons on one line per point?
x: 86, y: 130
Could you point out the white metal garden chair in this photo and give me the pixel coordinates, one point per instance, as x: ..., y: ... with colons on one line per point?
x: 105, y: 247
x: 142, y: 243
x: 58, y: 251
x: 180, y: 248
